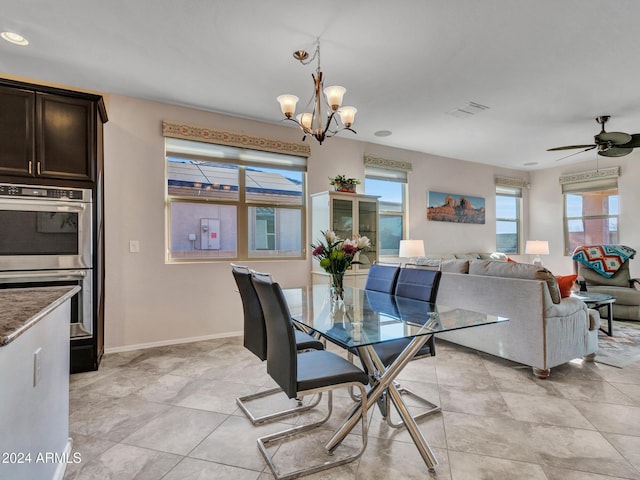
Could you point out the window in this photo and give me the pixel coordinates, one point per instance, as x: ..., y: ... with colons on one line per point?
x: 591, y: 208
x: 508, y: 218
x: 229, y: 203
x: 391, y: 187
x: 591, y: 218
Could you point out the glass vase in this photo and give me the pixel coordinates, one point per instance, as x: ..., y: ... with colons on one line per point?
x: 337, y: 287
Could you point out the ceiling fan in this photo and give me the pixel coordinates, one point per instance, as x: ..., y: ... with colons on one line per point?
x: 609, y: 144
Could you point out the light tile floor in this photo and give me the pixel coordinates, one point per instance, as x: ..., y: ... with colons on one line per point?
x: 169, y: 413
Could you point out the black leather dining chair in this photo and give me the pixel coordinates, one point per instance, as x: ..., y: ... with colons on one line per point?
x: 382, y: 277
x: 302, y: 374
x: 418, y: 283
x: 255, y: 340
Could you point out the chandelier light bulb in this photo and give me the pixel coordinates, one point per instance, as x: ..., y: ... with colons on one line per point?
x: 305, y: 119
x: 347, y: 115
x: 288, y: 104
x: 334, y: 96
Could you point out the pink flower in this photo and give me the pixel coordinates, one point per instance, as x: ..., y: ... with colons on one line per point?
x: 349, y: 249
x: 318, y: 250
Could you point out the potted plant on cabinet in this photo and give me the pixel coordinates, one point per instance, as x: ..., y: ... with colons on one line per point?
x: 343, y: 184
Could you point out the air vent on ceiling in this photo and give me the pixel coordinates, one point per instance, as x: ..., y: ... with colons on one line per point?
x: 468, y: 110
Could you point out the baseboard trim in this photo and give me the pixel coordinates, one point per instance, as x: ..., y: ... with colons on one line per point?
x: 164, y: 343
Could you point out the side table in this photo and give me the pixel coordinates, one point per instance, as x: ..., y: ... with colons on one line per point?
x: 597, y: 301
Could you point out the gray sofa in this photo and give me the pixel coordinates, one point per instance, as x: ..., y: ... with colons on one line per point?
x: 543, y: 330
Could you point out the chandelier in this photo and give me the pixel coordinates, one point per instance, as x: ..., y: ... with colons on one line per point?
x: 328, y: 99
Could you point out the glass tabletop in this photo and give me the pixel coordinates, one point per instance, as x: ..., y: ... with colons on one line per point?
x: 592, y: 296
x: 369, y: 317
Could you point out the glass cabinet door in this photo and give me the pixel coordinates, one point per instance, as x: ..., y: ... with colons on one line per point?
x: 343, y: 218
x: 368, y: 226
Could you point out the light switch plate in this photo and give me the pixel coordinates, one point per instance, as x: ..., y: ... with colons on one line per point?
x: 134, y: 246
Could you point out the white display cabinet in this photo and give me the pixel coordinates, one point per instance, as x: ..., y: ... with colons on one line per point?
x: 347, y: 214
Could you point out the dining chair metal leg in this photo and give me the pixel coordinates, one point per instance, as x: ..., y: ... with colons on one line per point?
x: 256, y: 420
x: 270, y: 440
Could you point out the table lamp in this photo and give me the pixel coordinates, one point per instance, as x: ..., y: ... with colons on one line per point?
x: 411, y: 249
x: 537, y: 248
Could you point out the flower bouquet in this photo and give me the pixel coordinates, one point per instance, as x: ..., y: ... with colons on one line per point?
x: 336, y: 255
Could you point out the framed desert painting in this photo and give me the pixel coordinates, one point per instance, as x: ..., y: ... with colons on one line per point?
x: 451, y: 207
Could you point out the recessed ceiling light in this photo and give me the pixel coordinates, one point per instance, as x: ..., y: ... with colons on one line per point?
x: 382, y: 133
x: 14, y: 38
x: 530, y: 164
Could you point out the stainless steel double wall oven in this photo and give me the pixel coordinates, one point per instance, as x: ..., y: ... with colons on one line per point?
x: 45, y: 240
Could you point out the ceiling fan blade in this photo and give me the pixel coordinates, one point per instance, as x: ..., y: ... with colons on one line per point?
x: 572, y: 147
x: 615, y: 152
x: 617, y: 138
x: 635, y: 141
x: 591, y: 147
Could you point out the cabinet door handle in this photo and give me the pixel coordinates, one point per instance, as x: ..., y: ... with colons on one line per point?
x: 38, y: 167
x: 30, y: 167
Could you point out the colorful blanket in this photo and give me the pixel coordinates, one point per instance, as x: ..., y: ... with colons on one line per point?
x: 604, y: 259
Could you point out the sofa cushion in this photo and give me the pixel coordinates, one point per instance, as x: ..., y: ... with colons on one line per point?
x: 523, y: 271
x: 468, y: 256
x: 440, y: 256
x: 450, y: 266
x: 565, y: 283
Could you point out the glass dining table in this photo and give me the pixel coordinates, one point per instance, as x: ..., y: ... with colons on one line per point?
x: 366, y: 318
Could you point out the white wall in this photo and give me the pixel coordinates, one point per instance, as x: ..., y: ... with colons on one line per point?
x: 148, y: 301
x: 546, y: 207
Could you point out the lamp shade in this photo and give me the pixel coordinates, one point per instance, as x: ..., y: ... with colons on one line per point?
x: 305, y: 119
x: 537, y: 247
x: 347, y: 115
x: 334, y: 96
x: 411, y: 248
x: 288, y: 104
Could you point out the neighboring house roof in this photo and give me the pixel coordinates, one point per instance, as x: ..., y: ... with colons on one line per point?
x: 206, y: 177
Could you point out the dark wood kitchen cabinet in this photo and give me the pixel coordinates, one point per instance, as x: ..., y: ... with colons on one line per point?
x: 48, y: 133
x: 54, y: 137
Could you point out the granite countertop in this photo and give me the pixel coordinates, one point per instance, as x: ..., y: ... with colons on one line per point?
x: 21, y: 308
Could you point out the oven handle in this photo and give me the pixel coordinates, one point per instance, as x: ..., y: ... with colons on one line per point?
x: 62, y: 206
x: 24, y: 277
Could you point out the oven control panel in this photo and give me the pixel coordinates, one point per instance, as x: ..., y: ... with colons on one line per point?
x: 35, y: 191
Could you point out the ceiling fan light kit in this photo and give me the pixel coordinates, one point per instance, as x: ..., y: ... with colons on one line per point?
x: 311, y: 122
x: 609, y: 144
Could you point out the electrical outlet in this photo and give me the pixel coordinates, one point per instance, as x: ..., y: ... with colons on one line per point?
x: 134, y: 246
x: 37, y: 361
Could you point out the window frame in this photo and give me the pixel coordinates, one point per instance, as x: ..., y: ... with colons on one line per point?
x: 245, y: 159
x: 392, y: 176
x: 566, y: 219
x: 511, y: 192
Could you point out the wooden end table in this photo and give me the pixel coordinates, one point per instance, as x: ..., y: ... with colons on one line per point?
x: 597, y: 301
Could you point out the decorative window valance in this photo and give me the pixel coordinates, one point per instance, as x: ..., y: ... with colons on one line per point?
x: 511, y: 182
x: 186, y: 131
x: 370, y: 161
x: 600, y: 179
x: 388, y: 170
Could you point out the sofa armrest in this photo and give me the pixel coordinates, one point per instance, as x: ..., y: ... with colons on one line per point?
x: 567, y: 306
x: 594, y: 319
x: 635, y: 283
